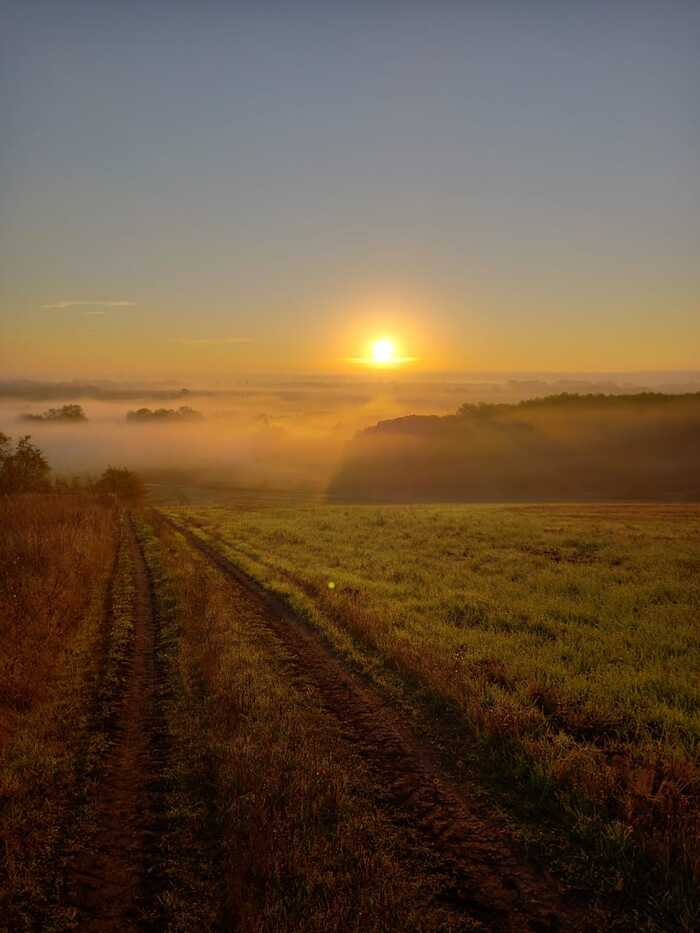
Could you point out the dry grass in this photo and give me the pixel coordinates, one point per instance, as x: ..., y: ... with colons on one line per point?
x: 54, y: 549
x: 57, y: 556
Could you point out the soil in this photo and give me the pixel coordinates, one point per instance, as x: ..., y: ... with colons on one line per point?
x: 108, y: 879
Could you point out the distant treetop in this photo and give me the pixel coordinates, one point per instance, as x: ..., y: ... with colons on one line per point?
x: 66, y: 413
x: 573, y: 399
x: 184, y: 413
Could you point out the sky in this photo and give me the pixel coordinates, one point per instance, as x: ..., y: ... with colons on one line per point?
x: 194, y: 190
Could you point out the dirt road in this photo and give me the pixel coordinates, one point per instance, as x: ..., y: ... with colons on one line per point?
x: 108, y: 879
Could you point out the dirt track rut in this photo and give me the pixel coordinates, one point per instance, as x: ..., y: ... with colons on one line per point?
x: 480, y: 871
x: 107, y: 879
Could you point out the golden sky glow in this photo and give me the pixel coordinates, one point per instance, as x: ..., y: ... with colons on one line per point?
x: 489, y: 331
x: 491, y: 198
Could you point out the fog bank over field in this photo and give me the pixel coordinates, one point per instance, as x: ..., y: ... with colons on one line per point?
x: 289, y: 433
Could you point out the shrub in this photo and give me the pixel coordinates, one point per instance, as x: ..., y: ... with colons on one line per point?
x: 121, y: 483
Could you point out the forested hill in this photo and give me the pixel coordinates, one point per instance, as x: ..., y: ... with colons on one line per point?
x: 644, y: 446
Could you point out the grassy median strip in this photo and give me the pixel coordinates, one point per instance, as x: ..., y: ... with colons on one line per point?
x: 186, y: 858
x: 295, y: 841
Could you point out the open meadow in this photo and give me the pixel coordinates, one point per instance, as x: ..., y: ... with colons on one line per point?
x: 559, y: 642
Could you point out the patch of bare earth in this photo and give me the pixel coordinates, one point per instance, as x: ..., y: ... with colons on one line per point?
x: 481, y: 873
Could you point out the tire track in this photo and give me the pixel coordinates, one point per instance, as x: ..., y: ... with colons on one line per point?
x: 107, y: 881
x: 480, y: 872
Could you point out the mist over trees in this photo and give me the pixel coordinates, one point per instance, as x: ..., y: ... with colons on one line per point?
x: 70, y: 414
x: 644, y: 446
x: 184, y: 413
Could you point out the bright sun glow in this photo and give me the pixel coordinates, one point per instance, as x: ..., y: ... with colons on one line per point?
x: 383, y: 351
x: 383, y: 354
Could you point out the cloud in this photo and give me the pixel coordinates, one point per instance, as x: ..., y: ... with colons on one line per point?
x: 94, y: 313
x: 60, y: 305
x: 212, y: 340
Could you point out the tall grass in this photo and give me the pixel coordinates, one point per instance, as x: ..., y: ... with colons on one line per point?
x: 54, y: 548
x: 57, y: 554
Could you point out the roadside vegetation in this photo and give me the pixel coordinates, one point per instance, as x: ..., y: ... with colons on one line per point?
x: 563, y: 638
x: 65, y: 629
x: 58, y: 553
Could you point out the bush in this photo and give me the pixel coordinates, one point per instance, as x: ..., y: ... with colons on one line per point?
x: 121, y: 483
x: 23, y: 470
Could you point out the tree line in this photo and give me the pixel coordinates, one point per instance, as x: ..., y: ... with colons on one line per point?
x: 66, y: 413
x: 25, y: 469
x: 642, y: 446
x: 74, y: 414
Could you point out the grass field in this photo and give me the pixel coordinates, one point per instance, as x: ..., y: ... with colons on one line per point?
x: 455, y: 717
x: 566, y: 637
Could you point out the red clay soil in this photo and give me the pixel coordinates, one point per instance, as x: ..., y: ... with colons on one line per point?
x: 481, y: 873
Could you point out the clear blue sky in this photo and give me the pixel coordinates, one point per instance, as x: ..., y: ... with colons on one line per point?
x: 265, y: 186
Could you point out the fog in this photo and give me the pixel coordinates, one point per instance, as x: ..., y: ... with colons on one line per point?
x: 300, y: 434
x: 289, y: 434
x: 563, y: 447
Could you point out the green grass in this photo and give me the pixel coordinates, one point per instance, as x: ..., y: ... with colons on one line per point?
x: 567, y: 637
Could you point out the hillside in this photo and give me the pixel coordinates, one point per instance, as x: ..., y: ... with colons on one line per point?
x: 644, y: 446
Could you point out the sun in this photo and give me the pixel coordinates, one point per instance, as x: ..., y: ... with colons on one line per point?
x: 383, y: 351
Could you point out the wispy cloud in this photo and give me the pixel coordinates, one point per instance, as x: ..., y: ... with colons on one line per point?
x: 94, y: 313
x: 212, y: 340
x: 61, y: 305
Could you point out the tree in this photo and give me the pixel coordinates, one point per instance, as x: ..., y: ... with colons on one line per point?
x: 71, y: 413
x: 23, y: 470
x: 184, y: 413
x: 121, y: 483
